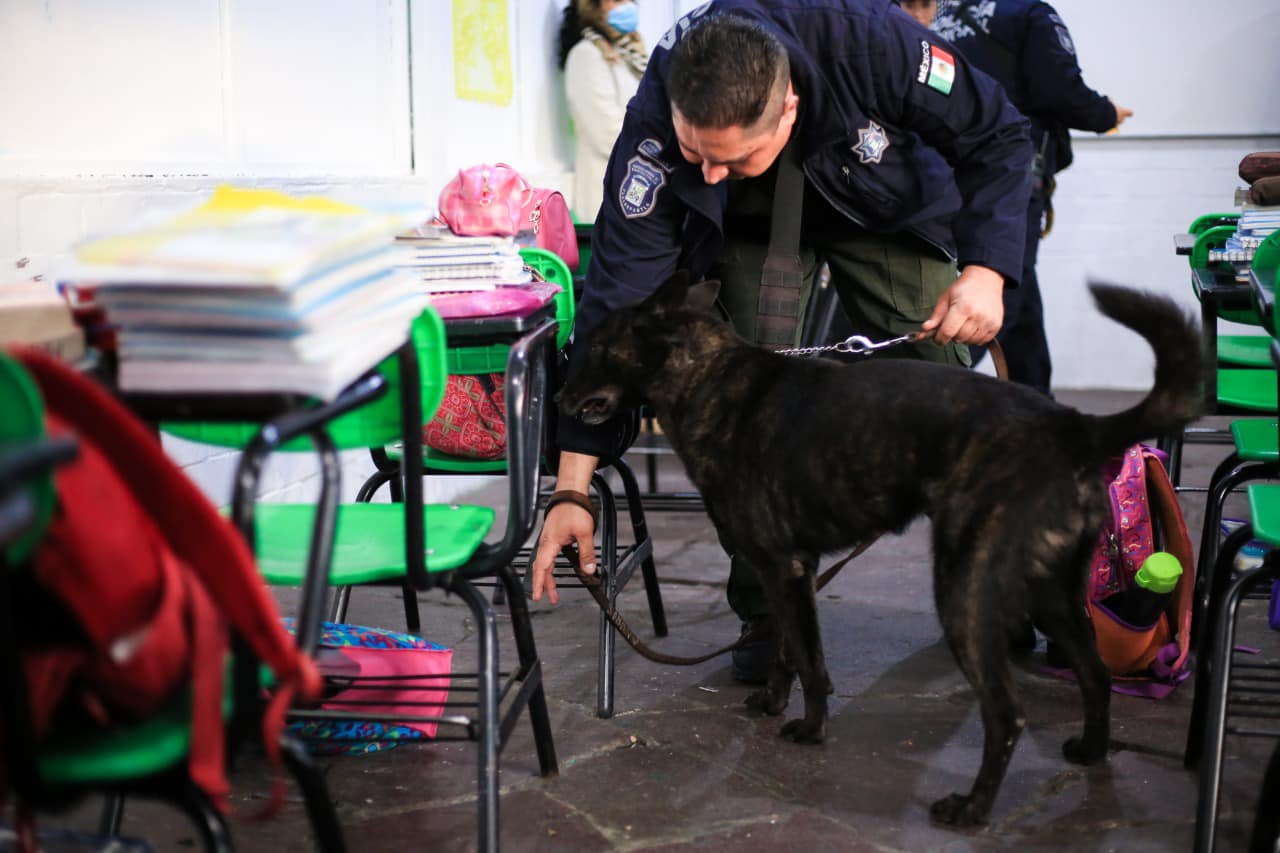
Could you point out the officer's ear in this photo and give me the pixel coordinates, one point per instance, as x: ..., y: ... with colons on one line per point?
x: 702, y: 295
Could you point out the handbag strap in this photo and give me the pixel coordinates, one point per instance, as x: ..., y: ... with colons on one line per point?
x: 782, y: 279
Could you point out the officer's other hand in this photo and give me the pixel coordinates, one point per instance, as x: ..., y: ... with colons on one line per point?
x: 566, y: 524
x: 1122, y: 113
x: 971, y: 310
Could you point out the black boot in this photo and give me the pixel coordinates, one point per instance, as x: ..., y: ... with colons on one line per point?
x: 753, y: 660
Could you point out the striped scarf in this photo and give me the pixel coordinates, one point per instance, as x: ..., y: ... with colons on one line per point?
x: 628, y: 48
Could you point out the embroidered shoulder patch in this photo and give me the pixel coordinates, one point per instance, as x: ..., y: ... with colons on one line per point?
x: 872, y: 143
x: 1064, y: 39
x: 937, y: 68
x: 640, y: 187
x: 652, y: 149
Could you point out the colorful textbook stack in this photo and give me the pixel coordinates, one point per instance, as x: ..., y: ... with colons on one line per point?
x: 254, y: 291
x: 444, y: 262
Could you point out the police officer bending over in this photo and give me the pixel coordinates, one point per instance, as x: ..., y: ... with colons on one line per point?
x: 912, y: 164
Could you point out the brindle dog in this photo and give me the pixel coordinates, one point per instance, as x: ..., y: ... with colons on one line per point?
x: 796, y: 458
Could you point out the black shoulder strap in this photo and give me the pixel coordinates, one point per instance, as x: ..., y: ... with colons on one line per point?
x: 782, y: 279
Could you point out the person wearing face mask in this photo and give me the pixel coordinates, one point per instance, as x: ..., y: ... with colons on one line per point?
x: 603, y: 58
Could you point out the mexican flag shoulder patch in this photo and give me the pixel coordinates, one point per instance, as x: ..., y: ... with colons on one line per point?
x: 937, y: 68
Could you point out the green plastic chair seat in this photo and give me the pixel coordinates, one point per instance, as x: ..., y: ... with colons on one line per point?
x: 1256, y: 440
x: 1245, y: 350
x: 1264, y: 511
x: 128, y: 752
x: 89, y: 756
x: 369, y: 545
x: 1247, y: 389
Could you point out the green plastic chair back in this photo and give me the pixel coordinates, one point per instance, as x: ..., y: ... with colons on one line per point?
x: 369, y: 426
x: 1205, y: 221
x: 22, y: 420
x: 469, y: 361
x: 1266, y: 258
x: 493, y: 359
x: 552, y: 268
x: 1208, y: 239
x: 583, y: 231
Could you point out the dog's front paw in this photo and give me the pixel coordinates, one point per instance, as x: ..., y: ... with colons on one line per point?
x: 957, y: 810
x: 1079, y: 751
x: 804, y: 731
x: 767, y: 700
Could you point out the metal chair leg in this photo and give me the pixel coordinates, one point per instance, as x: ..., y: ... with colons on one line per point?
x: 1223, y: 639
x: 1230, y: 474
x: 412, y: 615
x: 640, y: 529
x: 607, y: 568
x: 208, y: 822
x: 530, y: 667
x: 487, y: 713
x: 1205, y: 664
x: 315, y: 794
x: 341, y: 600
x: 112, y: 815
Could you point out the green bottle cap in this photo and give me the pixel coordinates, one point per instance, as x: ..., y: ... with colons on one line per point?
x: 1159, y: 572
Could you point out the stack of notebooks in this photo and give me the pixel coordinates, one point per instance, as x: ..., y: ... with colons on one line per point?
x: 1257, y: 222
x: 443, y: 262
x: 254, y: 291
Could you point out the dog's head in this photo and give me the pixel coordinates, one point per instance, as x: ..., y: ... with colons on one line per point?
x: 627, y: 349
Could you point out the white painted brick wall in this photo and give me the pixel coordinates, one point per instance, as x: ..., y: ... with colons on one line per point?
x: 1117, y: 209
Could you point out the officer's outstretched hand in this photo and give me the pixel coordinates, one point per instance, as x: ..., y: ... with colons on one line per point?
x: 1122, y: 113
x: 565, y: 524
x: 971, y: 310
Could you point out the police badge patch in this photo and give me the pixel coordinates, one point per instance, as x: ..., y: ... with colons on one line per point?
x: 872, y: 142
x: 640, y: 187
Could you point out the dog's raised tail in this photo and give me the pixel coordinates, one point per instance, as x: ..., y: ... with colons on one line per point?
x: 1177, y: 396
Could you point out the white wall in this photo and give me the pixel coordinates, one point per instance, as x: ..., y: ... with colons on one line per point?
x: 113, y: 109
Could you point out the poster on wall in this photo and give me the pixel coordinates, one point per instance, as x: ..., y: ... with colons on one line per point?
x: 481, y: 51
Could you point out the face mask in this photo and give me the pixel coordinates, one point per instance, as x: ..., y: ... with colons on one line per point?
x: 624, y: 18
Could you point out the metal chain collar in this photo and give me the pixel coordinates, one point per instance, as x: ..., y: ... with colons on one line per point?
x: 856, y: 345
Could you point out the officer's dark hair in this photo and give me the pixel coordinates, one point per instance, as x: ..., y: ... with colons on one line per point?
x: 726, y: 72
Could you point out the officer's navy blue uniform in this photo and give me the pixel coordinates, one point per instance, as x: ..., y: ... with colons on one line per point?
x: 894, y: 131
x: 1025, y: 45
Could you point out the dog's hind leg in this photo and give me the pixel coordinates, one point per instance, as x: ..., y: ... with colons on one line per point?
x: 970, y: 611
x: 1062, y: 616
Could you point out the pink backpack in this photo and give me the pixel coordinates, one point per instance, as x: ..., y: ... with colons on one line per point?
x: 1145, y: 660
x: 484, y: 200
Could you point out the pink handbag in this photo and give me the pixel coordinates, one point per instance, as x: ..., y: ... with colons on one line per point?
x: 485, y: 200
x: 496, y: 200
x: 548, y: 213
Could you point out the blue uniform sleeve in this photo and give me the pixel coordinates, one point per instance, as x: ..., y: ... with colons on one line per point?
x: 924, y: 85
x: 1054, y: 85
x: 635, y: 246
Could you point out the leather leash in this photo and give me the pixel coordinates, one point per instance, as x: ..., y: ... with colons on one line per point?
x: 593, y: 586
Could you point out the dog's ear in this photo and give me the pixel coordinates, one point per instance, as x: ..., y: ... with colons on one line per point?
x: 672, y: 292
x: 702, y: 295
